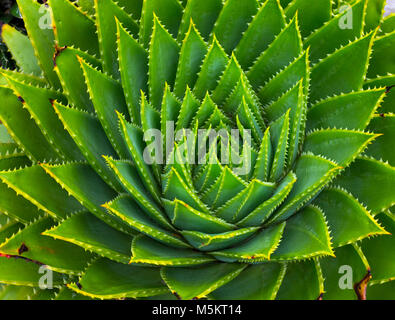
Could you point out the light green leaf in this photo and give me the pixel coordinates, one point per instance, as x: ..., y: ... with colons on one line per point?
x: 21, y: 49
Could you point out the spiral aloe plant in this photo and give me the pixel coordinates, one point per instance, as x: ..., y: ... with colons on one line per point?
x: 306, y: 86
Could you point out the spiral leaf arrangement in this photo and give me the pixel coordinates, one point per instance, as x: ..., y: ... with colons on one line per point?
x: 308, y: 82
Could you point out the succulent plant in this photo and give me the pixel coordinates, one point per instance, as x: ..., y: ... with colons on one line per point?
x: 307, y: 84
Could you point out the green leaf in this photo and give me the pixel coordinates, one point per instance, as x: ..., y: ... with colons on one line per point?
x: 148, y: 251
x: 210, y: 242
x: 374, y: 14
x: 11, y: 292
x: 90, y: 138
x: 285, y: 48
x: 302, y: 281
x: 335, y: 75
x: 186, y: 218
x: 371, y: 182
x: 78, y: 179
x: 129, y: 178
x: 341, y: 146
x: 233, y: 22
x: 70, y: 73
x: 337, y: 32
x: 267, y: 23
x: 21, y: 49
x: 107, y: 105
x: 388, y: 25
x: 312, y: 172
x: 37, y: 187
x: 260, y: 282
x: 16, y: 206
x: 87, y: 6
x: 170, y: 111
x: 133, y: 65
x: 286, y: 79
x: 72, y: 27
x: 106, y: 279
x: 351, y: 111
x: 66, y: 294
x: 382, y: 147
x: 176, y: 188
x: 125, y: 208
x: 163, y: 61
x: 22, y: 77
x: 168, y: 11
x: 132, y: 7
x: 29, y: 243
x: 228, y: 81
x: 262, y: 213
x: 204, y: 13
x: 209, y: 173
x: 246, y: 118
x: 193, y: 51
x: 9, y: 229
x: 279, y: 133
x: 246, y: 201
x: 107, y: 11
x: 11, y: 157
x: 297, y: 126
x: 347, y: 219
x: 285, y: 3
x: 312, y: 15
x: 213, y: 66
x: 189, y: 108
x: 5, y: 137
x: 24, y: 273
x: 227, y: 186
x: 381, y: 63
x: 265, y: 158
x: 38, y: 102
x: 339, y: 285
x: 383, y: 291
x: 389, y: 100
x: 305, y: 235
x: 243, y: 93
x: 198, y: 282
x: 379, y: 253
x: 42, y: 38
x: 259, y: 248
x: 85, y: 230
x: 133, y: 136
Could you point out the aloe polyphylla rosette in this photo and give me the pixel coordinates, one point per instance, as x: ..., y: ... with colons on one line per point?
x: 310, y: 83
